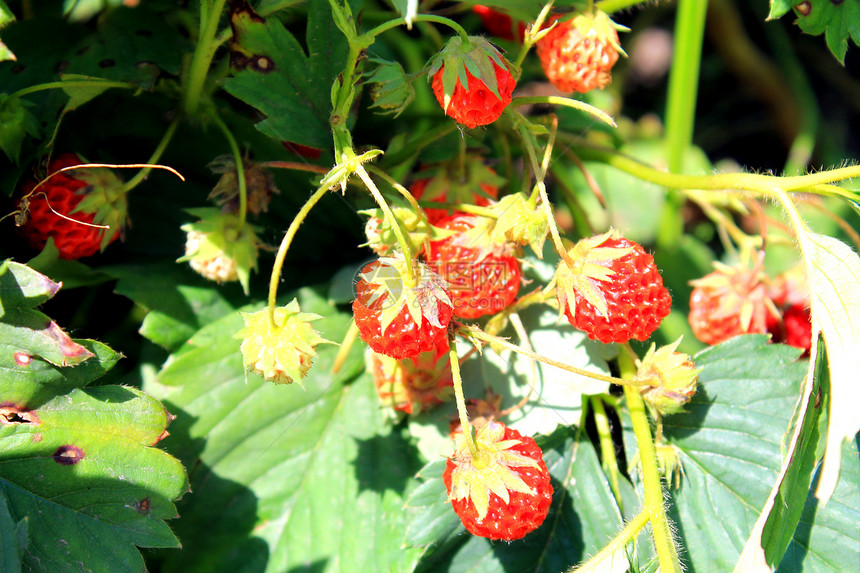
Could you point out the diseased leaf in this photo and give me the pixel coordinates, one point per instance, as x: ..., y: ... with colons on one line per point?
x: 273, y: 74
x: 84, y: 464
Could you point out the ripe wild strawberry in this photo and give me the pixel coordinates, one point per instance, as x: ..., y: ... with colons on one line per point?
x: 731, y: 300
x: 470, y: 183
x: 219, y: 248
x: 483, y: 278
x: 399, y: 317
x: 89, y: 196
x: 281, y: 353
x: 472, y: 83
x: 577, y: 55
x: 502, y: 490
x: 412, y: 385
x: 797, y: 323
x: 613, y: 292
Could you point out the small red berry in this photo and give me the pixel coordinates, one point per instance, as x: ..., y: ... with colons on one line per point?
x: 730, y: 301
x: 614, y: 291
x: 483, y: 278
x: 483, y: 97
x: 68, y: 205
x: 412, y: 385
x: 498, y: 23
x: 577, y: 55
x: 501, y: 488
x: 398, y: 316
x: 798, y: 327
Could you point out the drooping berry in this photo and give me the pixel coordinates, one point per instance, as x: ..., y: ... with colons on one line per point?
x: 472, y: 82
x: 613, y: 291
x: 577, y: 55
x: 731, y: 300
x: 68, y: 206
x: 280, y: 351
x: 483, y: 277
x: 412, y: 385
x: 398, y: 315
x: 501, y: 489
x: 219, y: 247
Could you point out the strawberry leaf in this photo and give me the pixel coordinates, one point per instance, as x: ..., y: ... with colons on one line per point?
x: 16, y: 123
x: 82, y: 471
x: 273, y: 74
x: 838, y: 21
x: 312, y: 476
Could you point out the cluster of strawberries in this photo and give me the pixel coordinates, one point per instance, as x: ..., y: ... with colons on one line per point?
x: 459, y: 264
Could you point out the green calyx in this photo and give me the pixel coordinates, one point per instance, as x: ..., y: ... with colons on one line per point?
x: 220, y: 247
x: 381, y: 236
x: 477, y: 56
x: 105, y: 198
x: 521, y: 221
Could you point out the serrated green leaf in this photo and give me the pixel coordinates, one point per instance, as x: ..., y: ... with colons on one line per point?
x: 16, y: 123
x: 315, y: 475
x: 293, y: 90
x: 81, y: 468
x: 730, y: 444
x: 81, y: 94
x: 838, y: 21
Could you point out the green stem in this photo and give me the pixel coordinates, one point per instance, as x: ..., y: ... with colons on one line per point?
x: 404, y: 192
x: 368, y: 37
x: 478, y: 334
x: 460, y: 399
x: 667, y: 554
x: 566, y: 102
x: 681, y: 107
x: 618, y: 543
x: 607, y: 447
x: 761, y: 184
x: 240, y: 168
x: 210, y: 14
x: 156, y: 155
x: 412, y: 279
x: 106, y: 84
x: 612, y: 6
x: 285, y: 246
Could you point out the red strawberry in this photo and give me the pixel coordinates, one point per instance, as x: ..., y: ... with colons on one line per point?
x: 577, y: 55
x: 483, y: 278
x: 613, y: 292
x: 399, y: 317
x: 67, y: 205
x: 412, y: 385
x: 471, y: 183
x: 798, y: 327
x: 502, y: 490
x: 498, y: 23
x: 730, y: 301
x: 483, y: 97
